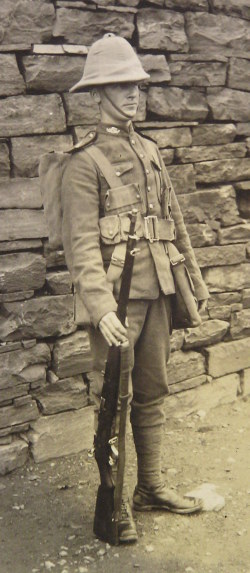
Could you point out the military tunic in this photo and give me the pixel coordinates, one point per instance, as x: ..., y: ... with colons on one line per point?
x: 90, y: 219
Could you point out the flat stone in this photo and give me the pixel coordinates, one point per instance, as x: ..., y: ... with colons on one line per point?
x: 16, y: 365
x: 235, y: 8
x: 236, y: 234
x: 13, y: 456
x: 220, y: 255
x: 201, y: 235
x: 199, y: 153
x: 229, y: 104
x: 52, y: 73
x: 54, y: 258
x: 213, y: 134
x: 220, y: 313
x: 167, y: 156
x: 219, y: 392
x: 21, y: 272
x: 23, y: 245
x: 81, y: 110
x: 61, y: 396
x: 240, y: 324
x: 18, y: 414
x: 20, y: 194
x: 176, y: 103
x: 62, y: 434
x: 189, y: 73
x: 6, y: 48
x: 157, y: 66
x: 239, y: 74
x: 199, y: 5
x: 22, y: 224
x: 12, y: 296
x: 59, y: 282
x: 40, y: 317
x: 246, y: 273
x: 210, y: 204
x: 27, y: 151
x: 177, y: 340
x: 10, y: 393
x: 209, y: 332
x: 31, y: 114
x: 188, y: 384
x: 72, y: 355
x: 11, y: 81
x: 228, y: 357
x: 183, y: 178
x: 161, y: 30
x: 246, y: 298
x: 175, y: 137
x: 4, y: 160
x: 211, y: 33
x: 224, y: 298
x: 60, y: 49
x: 19, y: 428
x: 198, y: 57
x: 222, y: 170
x: 32, y: 21
x: 243, y: 128
x: 183, y: 365
x: 84, y: 27
x: 227, y: 278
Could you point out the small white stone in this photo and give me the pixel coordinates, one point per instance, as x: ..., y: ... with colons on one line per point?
x: 149, y: 548
x: 49, y: 565
x: 63, y: 553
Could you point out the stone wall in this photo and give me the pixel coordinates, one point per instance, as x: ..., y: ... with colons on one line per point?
x: 196, y: 106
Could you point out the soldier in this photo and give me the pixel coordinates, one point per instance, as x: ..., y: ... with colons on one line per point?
x: 95, y: 226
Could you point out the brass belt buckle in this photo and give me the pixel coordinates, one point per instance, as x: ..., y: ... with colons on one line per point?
x: 151, y: 228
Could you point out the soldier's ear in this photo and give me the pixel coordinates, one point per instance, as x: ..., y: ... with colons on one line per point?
x: 96, y: 95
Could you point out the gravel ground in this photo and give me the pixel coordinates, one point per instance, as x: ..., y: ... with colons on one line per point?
x: 46, y: 511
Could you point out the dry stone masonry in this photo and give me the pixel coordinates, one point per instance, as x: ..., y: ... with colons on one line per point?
x: 196, y: 106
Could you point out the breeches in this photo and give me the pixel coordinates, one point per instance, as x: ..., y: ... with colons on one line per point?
x: 149, y: 337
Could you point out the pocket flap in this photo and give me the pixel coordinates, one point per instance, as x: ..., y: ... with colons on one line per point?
x: 122, y: 167
x: 156, y: 163
x: 123, y: 196
x: 109, y: 227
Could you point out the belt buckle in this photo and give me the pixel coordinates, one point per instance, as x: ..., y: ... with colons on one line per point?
x: 152, y: 228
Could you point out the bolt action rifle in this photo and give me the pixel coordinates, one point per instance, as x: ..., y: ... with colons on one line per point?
x: 109, y: 445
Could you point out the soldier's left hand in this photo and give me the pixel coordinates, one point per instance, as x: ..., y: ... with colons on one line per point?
x: 202, y: 305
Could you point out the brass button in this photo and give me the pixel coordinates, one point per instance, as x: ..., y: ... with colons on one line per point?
x: 137, y: 196
x: 149, y: 188
x: 151, y: 206
x: 118, y: 173
x: 91, y: 135
x: 147, y: 171
x: 110, y: 232
x: 133, y: 141
x: 141, y: 155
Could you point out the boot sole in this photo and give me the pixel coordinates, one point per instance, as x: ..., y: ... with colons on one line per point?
x: 181, y: 511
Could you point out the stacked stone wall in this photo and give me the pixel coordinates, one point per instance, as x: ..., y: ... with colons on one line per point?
x: 196, y: 107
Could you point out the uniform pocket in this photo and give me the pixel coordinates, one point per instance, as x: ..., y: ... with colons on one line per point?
x: 123, y: 199
x: 110, y: 230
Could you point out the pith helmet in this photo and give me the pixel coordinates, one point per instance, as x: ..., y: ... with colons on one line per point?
x: 110, y: 60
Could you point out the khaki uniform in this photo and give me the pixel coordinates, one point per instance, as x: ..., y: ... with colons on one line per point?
x: 94, y: 222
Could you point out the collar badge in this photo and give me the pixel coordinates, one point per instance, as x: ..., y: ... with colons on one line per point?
x: 113, y: 130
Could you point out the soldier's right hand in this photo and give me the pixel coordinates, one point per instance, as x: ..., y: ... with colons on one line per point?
x: 112, y: 329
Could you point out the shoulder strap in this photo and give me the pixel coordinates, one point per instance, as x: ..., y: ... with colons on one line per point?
x: 104, y: 165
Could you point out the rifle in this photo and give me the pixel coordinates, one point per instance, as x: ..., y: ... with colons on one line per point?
x: 109, y: 449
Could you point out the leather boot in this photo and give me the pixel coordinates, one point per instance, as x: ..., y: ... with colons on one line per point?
x: 126, y: 528
x: 151, y: 492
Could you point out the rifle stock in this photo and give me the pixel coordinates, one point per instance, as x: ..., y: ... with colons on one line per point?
x: 109, y: 450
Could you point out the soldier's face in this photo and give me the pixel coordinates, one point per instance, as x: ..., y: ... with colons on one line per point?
x: 119, y: 102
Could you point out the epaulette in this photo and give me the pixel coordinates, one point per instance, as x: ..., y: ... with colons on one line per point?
x: 88, y: 138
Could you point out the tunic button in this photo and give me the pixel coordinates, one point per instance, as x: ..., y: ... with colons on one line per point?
x: 147, y: 171
x: 118, y: 173
x: 151, y: 206
x: 137, y: 196
x: 149, y: 188
x: 141, y: 155
x: 91, y: 135
x: 133, y: 141
x: 110, y: 232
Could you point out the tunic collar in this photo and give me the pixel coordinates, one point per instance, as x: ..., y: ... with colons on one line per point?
x: 115, y: 130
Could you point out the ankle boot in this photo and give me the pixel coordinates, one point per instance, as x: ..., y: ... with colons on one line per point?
x: 151, y: 492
